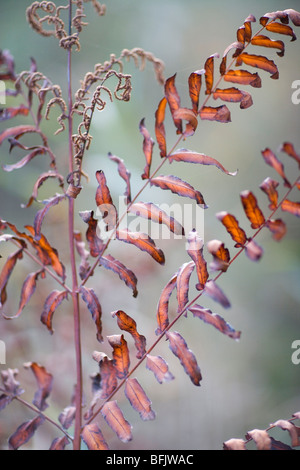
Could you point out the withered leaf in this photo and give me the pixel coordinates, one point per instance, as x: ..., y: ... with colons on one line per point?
x: 280, y: 28
x: 150, y: 211
x: 293, y: 430
x: 95, y: 243
x: 216, y: 293
x: 121, y: 356
x: 178, y: 186
x: 261, y: 438
x: 186, y: 357
x: 126, y: 323
x: 183, y: 278
x: 104, y: 201
x: 189, y: 156
x: 90, y: 298
x: 108, y: 375
x: 271, y: 159
x: 272, y: 16
x: 25, y: 432
x: 237, y: 45
x: 125, y: 274
x: 28, y: 289
x: 289, y: 149
x: 243, y: 77
x: 44, y: 380
x: 195, y: 82
x: 277, y: 227
x: 209, y: 73
x: 124, y: 173
x: 234, y: 444
x: 234, y: 95
x: 47, y: 252
x: 67, y: 417
x: 220, y: 254
x: 293, y: 15
x: 138, y: 399
x: 6, y: 273
x: 115, y: 419
x: 215, y: 320
x: 162, y: 312
x: 268, y: 186
x: 173, y: 99
x: 52, y: 302
x: 41, y: 179
x: 232, y: 226
x: 148, y: 144
x: 143, y: 242
x: 60, y: 443
x: 160, y: 368
x: 253, y: 250
x: 160, y: 127
x: 93, y: 437
x: 260, y: 62
x: 252, y: 210
x: 190, y: 116
x: 219, y: 114
x: 25, y: 160
x: 265, y: 41
x: 195, y: 251
x: 16, y: 131
x: 291, y: 207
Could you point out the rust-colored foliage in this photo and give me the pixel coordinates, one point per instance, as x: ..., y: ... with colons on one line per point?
x: 148, y: 144
x: 178, y: 186
x: 121, y: 356
x: 90, y: 298
x: 186, y: 357
x: 115, y: 374
x: 152, y: 212
x: 195, y: 251
x: 126, y: 323
x: 263, y: 439
x: 125, y: 274
x: 93, y: 437
x: 45, y: 381
x: 160, y: 368
x: 138, y: 399
x: 115, y: 419
x: 252, y: 210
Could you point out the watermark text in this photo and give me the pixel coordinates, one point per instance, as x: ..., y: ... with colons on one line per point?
x: 296, y: 93
x: 2, y: 353
x: 296, y: 354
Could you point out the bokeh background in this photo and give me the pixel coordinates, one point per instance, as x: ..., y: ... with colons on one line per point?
x: 246, y: 384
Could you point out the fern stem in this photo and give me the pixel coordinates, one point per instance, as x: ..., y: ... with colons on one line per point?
x: 75, y: 295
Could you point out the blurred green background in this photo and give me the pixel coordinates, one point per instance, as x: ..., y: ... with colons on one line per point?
x: 246, y: 384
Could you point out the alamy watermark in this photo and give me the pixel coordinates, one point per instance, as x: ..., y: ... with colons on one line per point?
x: 296, y: 93
x: 2, y: 92
x: 296, y: 354
x: 2, y: 353
x: 159, y: 221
